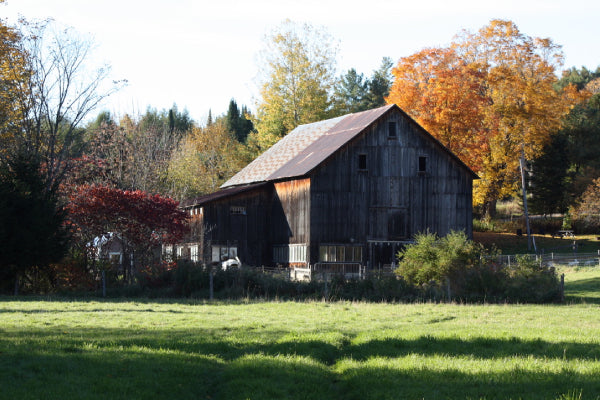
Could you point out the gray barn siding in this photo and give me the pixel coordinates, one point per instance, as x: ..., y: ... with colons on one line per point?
x: 250, y: 231
x: 391, y: 195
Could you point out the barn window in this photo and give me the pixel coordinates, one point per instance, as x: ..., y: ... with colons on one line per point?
x: 234, y: 210
x: 422, y: 164
x: 197, y: 211
x: 392, y: 130
x: 293, y: 253
x: 340, y: 253
x: 362, y: 162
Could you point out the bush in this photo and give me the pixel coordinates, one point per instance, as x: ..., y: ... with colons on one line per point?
x: 586, y: 216
x: 441, y: 261
x: 454, y: 267
x: 529, y: 282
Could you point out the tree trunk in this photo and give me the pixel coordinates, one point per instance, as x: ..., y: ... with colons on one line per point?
x: 16, y: 292
x: 489, y: 209
x: 530, y: 239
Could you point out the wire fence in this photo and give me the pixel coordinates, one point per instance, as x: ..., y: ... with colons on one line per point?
x: 325, y: 271
x: 555, y: 259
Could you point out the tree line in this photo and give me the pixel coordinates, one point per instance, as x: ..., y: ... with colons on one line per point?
x: 493, y: 97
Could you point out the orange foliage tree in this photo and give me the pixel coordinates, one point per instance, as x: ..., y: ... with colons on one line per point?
x: 490, y: 98
x: 445, y: 95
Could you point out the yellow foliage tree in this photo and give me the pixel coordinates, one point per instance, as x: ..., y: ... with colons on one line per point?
x: 14, y: 77
x: 205, y: 159
x: 298, y: 74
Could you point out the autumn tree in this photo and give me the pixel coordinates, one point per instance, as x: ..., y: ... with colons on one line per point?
x: 588, y: 207
x: 445, y: 95
x: 205, y: 159
x: 524, y: 109
x: 297, y: 76
x: 14, y: 76
x: 511, y: 109
x: 143, y: 221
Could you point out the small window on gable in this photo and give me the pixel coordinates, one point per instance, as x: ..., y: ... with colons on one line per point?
x: 392, y: 130
x: 362, y: 162
x: 422, y: 164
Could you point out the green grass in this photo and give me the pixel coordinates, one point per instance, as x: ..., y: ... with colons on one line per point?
x: 60, y: 349
x: 582, y: 284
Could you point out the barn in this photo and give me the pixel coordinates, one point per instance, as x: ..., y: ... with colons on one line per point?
x: 344, y: 192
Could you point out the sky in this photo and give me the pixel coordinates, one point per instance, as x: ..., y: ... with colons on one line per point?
x: 200, y: 54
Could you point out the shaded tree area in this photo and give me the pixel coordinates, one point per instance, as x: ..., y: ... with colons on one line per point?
x: 549, y: 181
x: 569, y: 163
x: 32, y: 234
x: 47, y: 90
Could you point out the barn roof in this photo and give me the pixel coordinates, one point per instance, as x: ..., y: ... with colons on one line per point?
x: 307, y: 146
x: 207, y: 198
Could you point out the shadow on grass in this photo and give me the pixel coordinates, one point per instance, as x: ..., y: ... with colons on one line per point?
x: 208, y: 364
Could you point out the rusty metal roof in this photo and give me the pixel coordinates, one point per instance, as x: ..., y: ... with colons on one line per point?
x: 305, y: 148
x: 198, y: 201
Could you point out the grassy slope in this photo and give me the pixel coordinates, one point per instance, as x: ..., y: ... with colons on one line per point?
x: 165, y: 350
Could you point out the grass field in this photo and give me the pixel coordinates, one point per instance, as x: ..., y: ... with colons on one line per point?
x: 62, y: 349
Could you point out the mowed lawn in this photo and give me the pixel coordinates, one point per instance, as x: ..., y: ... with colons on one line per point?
x: 130, y: 349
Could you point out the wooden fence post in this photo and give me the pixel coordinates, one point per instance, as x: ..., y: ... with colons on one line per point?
x: 562, y: 288
x: 103, y: 283
x: 211, y: 289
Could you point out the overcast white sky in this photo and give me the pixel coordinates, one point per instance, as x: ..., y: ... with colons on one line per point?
x: 200, y: 54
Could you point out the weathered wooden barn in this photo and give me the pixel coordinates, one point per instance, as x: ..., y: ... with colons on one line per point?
x: 347, y: 190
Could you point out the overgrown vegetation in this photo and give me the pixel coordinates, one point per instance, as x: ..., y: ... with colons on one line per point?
x: 447, y: 269
x: 457, y: 268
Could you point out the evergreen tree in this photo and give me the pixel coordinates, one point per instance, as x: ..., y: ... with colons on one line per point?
x: 354, y: 93
x: 350, y: 93
x: 237, y: 122
x: 380, y: 84
x: 32, y: 234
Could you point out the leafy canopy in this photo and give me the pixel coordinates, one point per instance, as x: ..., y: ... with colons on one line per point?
x: 297, y: 76
x: 490, y: 97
